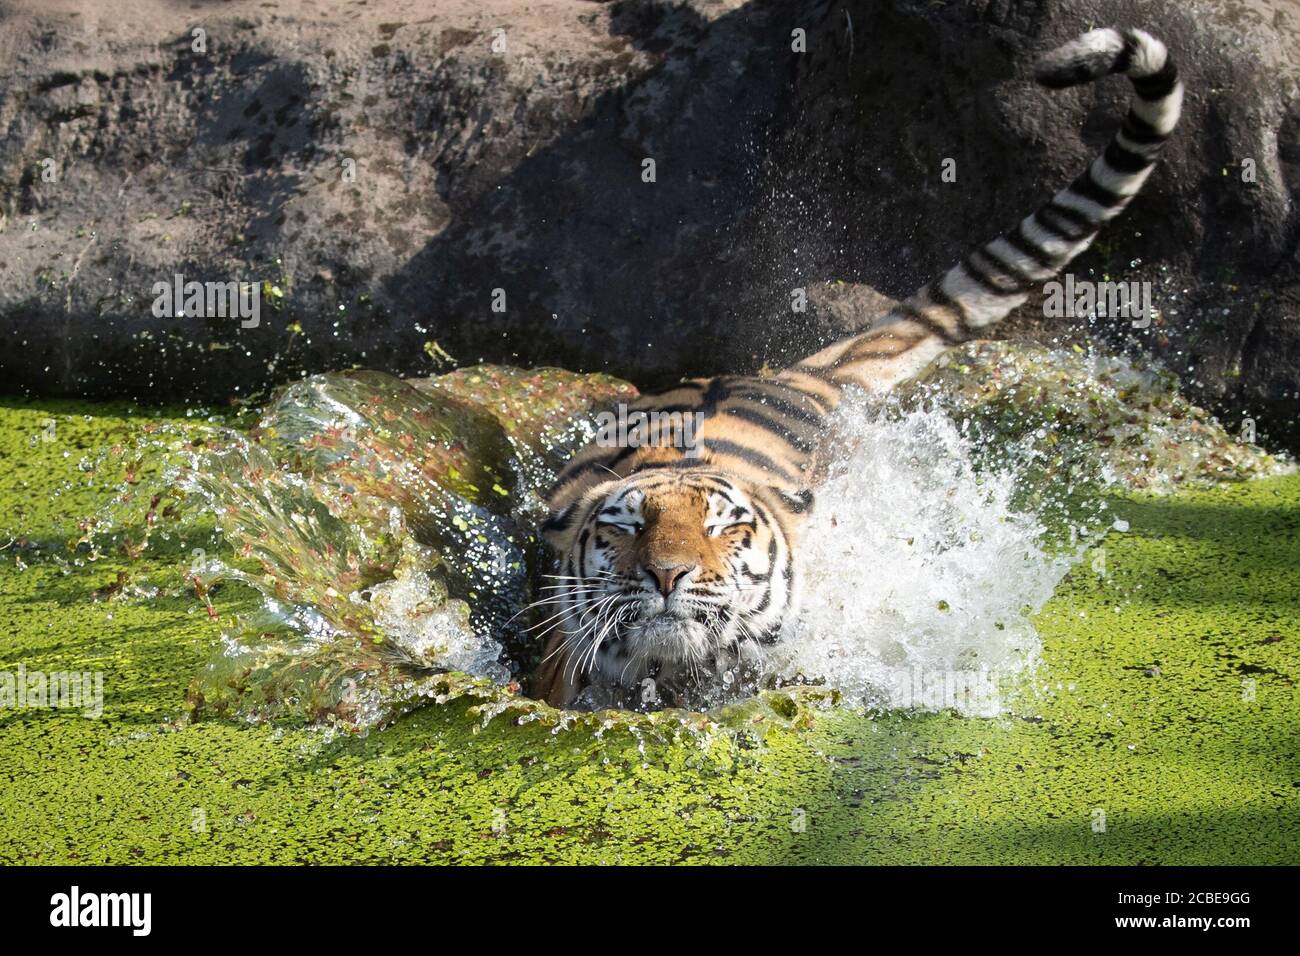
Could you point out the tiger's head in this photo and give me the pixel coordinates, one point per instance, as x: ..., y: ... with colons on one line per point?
x: 678, y: 576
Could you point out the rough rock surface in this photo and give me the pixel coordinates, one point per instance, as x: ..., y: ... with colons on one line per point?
x: 480, y: 168
x: 891, y: 89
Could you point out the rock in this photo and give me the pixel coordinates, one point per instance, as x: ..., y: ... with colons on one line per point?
x: 890, y: 90
x: 381, y: 171
x: 384, y: 168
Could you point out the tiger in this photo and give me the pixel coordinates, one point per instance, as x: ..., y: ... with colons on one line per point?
x: 678, y: 567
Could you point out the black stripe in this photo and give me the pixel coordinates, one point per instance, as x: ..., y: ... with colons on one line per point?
x: 1089, y: 188
x: 940, y: 297
x: 864, y: 351
x: 715, y: 393
x: 1138, y: 130
x: 757, y: 418
x: 820, y: 375
x: 675, y: 463
x: 582, y: 552
x: 718, y: 486
x: 911, y: 313
x: 788, y: 409
x: 560, y: 520
x: 813, y: 398
x: 1072, y: 216
x: 778, y: 530
x: 1159, y: 84
x: 654, y: 483
x: 1051, y: 228
x: 622, y: 456
x: 576, y: 470
x: 826, y: 375
x: 1017, y: 239
x: 1125, y: 57
x: 797, y: 503
x: 861, y: 350
x: 648, y: 405
x: 711, y: 481
x: 1052, y: 221
x: 654, y: 434
x: 985, y: 279
x: 1124, y: 160
x: 722, y: 446
x: 1022, y: 280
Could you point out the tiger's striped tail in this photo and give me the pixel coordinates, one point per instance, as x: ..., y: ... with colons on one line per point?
x: 996, y: 278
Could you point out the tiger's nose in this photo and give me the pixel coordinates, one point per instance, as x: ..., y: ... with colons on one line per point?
x: 668, y: 577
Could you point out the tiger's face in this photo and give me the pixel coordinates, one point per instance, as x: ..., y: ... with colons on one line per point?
x: 679, y: 578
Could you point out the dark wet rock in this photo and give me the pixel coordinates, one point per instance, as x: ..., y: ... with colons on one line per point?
x: 478, y: 170
x: 890, y: 90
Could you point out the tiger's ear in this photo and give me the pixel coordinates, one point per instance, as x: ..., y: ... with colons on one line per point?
x: 557, y: 529
x: 796, y: 502
x: 560, y: 528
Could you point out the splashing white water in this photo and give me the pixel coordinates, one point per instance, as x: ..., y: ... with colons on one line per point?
x: 412, y: 611
x: 920, y: 577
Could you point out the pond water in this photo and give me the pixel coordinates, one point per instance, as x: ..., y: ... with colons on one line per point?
x: 388, y: 527
x: 1156, y: 686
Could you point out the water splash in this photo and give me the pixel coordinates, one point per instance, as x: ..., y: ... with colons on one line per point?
x: 388, y: 527
x: 921, y: 575
x: 949, y: 515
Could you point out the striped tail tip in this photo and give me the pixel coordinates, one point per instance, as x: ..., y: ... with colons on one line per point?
x: 1000, y: 275
x: 1134, y: 53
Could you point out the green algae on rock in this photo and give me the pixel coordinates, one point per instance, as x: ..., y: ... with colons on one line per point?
x: 544, y: 412
x: 1086, y: 417
x: 392, y: 525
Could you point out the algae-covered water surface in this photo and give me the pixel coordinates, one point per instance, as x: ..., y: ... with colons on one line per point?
x: 300, y: 632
